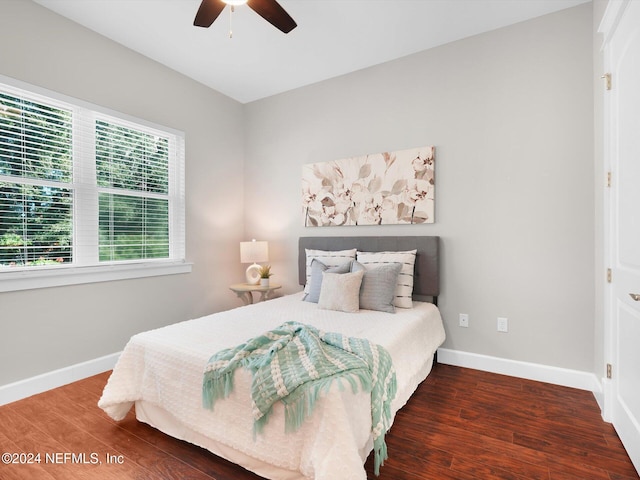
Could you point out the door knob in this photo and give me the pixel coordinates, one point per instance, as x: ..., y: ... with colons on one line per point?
x: 635, y: 296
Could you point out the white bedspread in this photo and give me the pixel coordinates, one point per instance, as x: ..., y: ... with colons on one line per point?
x: 161, y: 371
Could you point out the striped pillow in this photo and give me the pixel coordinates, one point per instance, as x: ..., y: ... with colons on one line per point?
x: 327, y: 257
x: 404, y: 285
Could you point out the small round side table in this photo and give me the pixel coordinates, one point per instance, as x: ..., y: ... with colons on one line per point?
x: 244, y: 291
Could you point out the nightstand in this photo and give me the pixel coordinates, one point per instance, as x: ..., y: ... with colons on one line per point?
x: 244, y: 291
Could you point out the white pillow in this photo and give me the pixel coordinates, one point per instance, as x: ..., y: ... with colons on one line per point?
x: 404, y: 285
x: 341, y: 291
x: 329, y: 258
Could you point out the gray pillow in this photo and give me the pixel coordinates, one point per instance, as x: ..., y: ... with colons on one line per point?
x: 404, y: 285
x: 378, y: 289
x: 315, y: 283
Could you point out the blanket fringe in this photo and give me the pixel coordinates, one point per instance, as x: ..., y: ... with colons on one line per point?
x: 300, y: 404
x: 379, y: 444
x: 216, y: 387
x: 379, y: 454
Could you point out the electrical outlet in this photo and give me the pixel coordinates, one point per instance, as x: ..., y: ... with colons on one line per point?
x: 464, y: 320
x: 503, y: 324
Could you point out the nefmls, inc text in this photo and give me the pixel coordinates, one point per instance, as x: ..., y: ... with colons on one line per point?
x: 75, y: 458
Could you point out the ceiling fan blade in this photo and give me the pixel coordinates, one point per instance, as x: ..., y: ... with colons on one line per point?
x: 208, y: 12
x: 273, y: 13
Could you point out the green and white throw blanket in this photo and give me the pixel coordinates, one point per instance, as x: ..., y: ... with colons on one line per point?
x: 294, y: 363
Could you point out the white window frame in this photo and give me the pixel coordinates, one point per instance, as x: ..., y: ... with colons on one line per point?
x: 86, y: 267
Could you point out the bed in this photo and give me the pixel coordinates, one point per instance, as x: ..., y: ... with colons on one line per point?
x: 161, y: 372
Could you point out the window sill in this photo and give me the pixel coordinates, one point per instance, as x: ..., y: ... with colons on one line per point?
x: 11, y: 281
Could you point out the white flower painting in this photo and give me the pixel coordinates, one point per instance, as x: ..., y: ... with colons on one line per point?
x: 387, y: 188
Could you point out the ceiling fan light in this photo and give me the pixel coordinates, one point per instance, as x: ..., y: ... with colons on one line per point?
x: 235, y: 2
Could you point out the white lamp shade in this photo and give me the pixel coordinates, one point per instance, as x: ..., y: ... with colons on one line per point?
x: 254, y: 252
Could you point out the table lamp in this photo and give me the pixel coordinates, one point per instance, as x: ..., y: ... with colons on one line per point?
x: 253, y: 252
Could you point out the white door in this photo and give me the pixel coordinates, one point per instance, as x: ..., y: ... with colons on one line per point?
x: 622, y: 140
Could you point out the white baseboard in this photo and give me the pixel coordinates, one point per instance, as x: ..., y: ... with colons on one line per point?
x: 46, y: 381
x: 531, y: 371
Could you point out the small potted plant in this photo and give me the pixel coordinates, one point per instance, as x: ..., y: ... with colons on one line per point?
x: 265, y: 273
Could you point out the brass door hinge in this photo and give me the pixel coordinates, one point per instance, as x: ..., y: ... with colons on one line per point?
x: 608, y: 179
x: 608, y: 275
x: 607, y: 80
x: 609, y: 370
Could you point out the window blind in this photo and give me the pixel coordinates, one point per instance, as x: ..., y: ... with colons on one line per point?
x: 36, y: 193
x: 133, y: 179
x: 82, y: 186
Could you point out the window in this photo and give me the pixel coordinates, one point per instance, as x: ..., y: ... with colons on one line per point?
x: 84, y: 187
x: 133, y: 199
x: 35, y: 183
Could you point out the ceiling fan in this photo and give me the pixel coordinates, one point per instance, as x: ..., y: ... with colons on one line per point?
x: 270, y: 10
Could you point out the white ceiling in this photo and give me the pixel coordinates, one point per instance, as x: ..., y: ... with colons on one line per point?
x: 333, y: 37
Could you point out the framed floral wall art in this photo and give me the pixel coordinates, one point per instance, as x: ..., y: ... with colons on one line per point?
x: 387, y: 188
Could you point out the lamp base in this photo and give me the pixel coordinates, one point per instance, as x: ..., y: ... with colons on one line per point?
x: 253, y: 274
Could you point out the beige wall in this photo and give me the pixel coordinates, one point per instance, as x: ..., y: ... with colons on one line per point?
x: 47, y: 329
x: 511, y: 115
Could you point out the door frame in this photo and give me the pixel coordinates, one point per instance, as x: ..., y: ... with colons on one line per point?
x: 610, y: 20
x: 609, y: 27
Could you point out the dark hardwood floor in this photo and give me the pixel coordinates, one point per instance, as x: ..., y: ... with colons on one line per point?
x: 461, y: 424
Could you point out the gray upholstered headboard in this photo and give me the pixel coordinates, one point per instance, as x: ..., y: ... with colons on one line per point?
x: 427, y: 274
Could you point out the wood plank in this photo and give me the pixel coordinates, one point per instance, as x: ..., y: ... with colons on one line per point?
x: 29, y: 439
x: 20, y: 470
